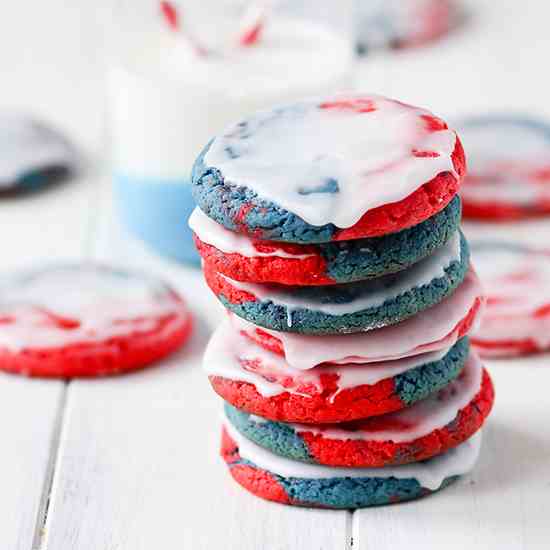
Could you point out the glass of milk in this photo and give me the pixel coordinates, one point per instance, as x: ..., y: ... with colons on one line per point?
x: 167, y: 100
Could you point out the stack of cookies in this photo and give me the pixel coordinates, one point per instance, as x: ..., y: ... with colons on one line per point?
x: 329, y: 229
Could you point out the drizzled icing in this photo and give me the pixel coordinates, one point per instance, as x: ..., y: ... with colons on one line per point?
x: 363, y: 295
x: 27, y: 146
x: 214, y: 234
x: 517, y: 280
x: 72, y: 304
x: 508, y: 160
x: 416, y: 421
x: 430, y: 330
x: 233, y: 356
x: 429, y: 474
x: 331, y: 160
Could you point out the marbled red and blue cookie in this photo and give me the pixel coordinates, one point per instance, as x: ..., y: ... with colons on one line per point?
x: 243, y: 258
x: 87, y: 320
x: 509, y: 167
x: 402, y: 23
x: 32, y: 154
x: 427, y: 428
x: 516, y: 320
x: 261, y: 382
x: 286, y: 481
x: 436, y: 328
x: 351, y: 307
x: 333, y: 169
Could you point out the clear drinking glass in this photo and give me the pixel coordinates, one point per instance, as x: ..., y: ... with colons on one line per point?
x: 168, y: 98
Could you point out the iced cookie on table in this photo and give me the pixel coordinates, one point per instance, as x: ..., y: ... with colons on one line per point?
x: 508, y: 167
x: 87, y: 320
x: 333, y: 169
x: 516, y: 320
x: 276, y: 478
x: 246, y: 259
x: 261, y: 382
x: 347, y: 308
x: 428, y: 428
x: 32, y: 154
x: 402, y: 23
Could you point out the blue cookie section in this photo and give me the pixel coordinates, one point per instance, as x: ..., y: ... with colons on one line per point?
x: 411, y: 386
x: 156, y: 212
x: 347, y: 492
x: 359, y: 259
x: 307, y: 321
x: 235, y: 207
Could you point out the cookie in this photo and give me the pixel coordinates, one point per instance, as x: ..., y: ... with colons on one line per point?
x: 32, y: 154
x: 332, y: 169
x: 87, y: 320
x: 349, y: 308
x: 426, y: 429
x: 402, y: 23
x: 286, y: 481
x: 250, y: 260
x: 508, y: 167
x: 263, y: 383
x: 436, y: 328
x: 516, y: 320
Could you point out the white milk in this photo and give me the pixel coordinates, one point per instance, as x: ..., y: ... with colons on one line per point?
x: 166, y: 103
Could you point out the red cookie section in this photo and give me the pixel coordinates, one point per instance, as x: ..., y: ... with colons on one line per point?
x: 502, y: 212
x: 256, y: 481
x: 414, y: 209
x: 115, y: 355
x: 377, y: 454
x: 303, y: 271
x: 329, y: 405
x: 506, y: 348
x: 218, y: 285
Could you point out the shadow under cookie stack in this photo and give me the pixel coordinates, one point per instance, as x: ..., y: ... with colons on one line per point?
x: 329, y: 230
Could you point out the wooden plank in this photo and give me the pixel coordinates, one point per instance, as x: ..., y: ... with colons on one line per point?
x: 56, y: 81
x: 139, y: 469
x: 28, y: 412
x: 502, y: 505
x: 138, y: 461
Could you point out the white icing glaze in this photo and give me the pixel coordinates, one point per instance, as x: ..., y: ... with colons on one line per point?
x: 430, y: 473
x: 232, y: 355
x: 214, y: 234
x: 518, y: 285
x: 26, y: 146
x: 420, y: 419
x: 504, y: 158
x: 375, y: 292
x: 166, y: 103
x: 430, y: 330
x: 96, y: 302
x: 294, y: 151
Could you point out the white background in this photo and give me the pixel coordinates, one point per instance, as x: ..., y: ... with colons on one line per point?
x: 131, y: 463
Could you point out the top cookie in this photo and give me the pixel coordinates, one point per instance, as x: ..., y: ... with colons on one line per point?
x: 321, y: 170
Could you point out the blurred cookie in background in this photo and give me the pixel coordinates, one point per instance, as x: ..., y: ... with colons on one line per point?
x: 32, y: 154
x: 508, y: 175
x: 403, y: 23
x: 516, y: 279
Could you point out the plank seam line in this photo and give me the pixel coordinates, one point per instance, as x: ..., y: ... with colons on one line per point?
x: 43, y: 509
x: 349, y: 529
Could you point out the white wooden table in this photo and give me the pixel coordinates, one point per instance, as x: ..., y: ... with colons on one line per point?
x: 131, y: 463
